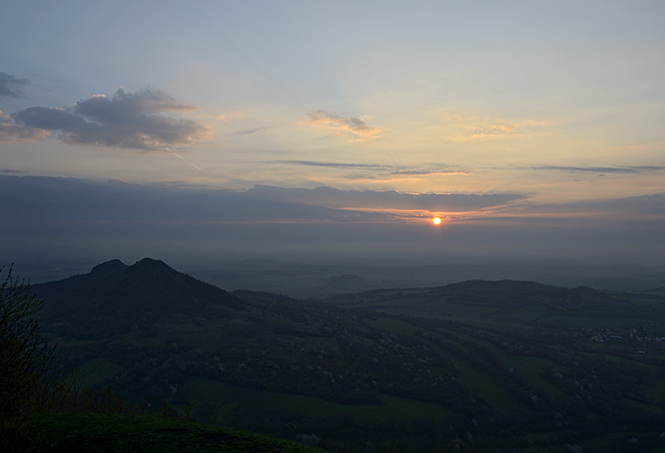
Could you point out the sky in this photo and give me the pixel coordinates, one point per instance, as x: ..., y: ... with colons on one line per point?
x: 321, y: 130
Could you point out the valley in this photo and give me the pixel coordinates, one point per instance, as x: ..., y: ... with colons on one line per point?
x: 473, y: 365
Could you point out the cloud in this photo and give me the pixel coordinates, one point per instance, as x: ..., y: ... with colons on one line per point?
x: 389, y: 171
x: 374, y: 172
x: 58, y: 217
x: 251, y: 130
x: 74, y: 201
x: 630, y: 169
x: 623, y: 209
x: 347, y: 125
x: 389, y: 200
x: 10, y: 132
x: 9, y: 85
x: 310, y: 163
x: 494, y: 129
x: 426, y: 172
x: 465, y: 127
x: 126, y: 120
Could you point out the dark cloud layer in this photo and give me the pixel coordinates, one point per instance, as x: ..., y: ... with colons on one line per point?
x: 10, y: 85
x: 10, y: 132
x: 368, y: 199
x: 630, y: 208
x: 76, y: 200
x: 126, y: 120
x: 37, y: 199
x: 63, y: 217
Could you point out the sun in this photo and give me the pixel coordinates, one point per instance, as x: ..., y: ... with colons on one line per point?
x: 436, y: 220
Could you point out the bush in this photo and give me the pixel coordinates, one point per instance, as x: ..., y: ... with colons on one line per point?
x: 30, y: 376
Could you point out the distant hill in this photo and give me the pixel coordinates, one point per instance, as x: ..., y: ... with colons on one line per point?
x: 147, y: 288
x: 509, y: 292
x: 347, y: 281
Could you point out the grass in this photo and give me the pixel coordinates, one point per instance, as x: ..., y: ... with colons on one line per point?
x: 580, y: 320
x: 529, y: 368
x: 488, y: 389
x: 101, y: 433
x: 95, y: 371
x: 655, y: 392
x: 523, y: 314
x: 230, y: 398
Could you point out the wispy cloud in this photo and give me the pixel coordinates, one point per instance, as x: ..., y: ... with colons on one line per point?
x: 10, y: 85
x: 403, y: 174
x: 495, y: 129
x: 630, y: 169
x: 466, y: 127
x: 126, y: 120
x: 426, y: 172
x: 310, y: 163
x: 383, y: 171
x: 341, y: 124
x: 389, y: 200
x: 251, y: 130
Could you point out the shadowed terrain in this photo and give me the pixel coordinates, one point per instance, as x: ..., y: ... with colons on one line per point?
x: 474, y: 364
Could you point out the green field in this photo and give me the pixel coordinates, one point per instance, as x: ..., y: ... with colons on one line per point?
x: 230, y: 398
x: 95, y: 371
x: 110, y: 433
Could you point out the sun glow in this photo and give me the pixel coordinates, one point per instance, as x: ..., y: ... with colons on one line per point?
x: 436, y: 220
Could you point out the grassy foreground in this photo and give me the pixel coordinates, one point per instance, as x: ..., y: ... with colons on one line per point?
x: 91, y: 432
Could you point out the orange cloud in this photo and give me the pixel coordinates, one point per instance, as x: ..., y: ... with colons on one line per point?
x: 344, y: 125
x: 468, y: 127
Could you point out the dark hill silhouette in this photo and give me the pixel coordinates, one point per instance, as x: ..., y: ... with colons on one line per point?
x: 115, y: 289
x: 511, y: 292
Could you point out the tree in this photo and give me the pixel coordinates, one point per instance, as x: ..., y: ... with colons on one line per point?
x: 30, y: 376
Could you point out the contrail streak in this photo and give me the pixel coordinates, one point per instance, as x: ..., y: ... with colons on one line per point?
x: 190, y: 163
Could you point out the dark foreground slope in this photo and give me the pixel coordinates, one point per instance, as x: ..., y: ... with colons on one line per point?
x: 111, y: 433
x: 476, y: 365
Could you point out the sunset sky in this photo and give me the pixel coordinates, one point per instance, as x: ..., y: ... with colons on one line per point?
x: 314, y: 128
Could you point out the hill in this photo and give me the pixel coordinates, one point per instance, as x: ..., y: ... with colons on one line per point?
x: 114, y: 289
x: 475, y: 364
x: 113, y: 294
